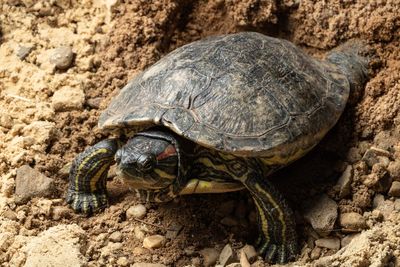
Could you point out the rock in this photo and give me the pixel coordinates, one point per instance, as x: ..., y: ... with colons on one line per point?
x: 154, y: 241
x: 315, y: 253
x: 94, y: 102
x: 394, y: 170
x: 331, y: 243
x: 137, y: 211
x: 379, y: 179
x: 353, y: 155
x: 229, y: 221
x: 142, y: 264
x: 60, y: 212
x: 40, y: 132
x: 115, y: 237
x: 235, y: 264
x: 372, y: 155
x: 244, y: 261
x: 6, y: 239
x: 23, y: 51
x: 352, y: 222
x: 210, y: 256
x: 139, y: 234
x: 60, y: 245
x: 321, y: 214
x: 226, y: 257
x: 173, y: 230
x: 11, y: 215
x: 226, y: 208
x: 122, y: 261
x: 64, y: 171
x: 251, y: 253
x: 31, y: 183
x: 394, y: 190
x: 397, y: 204
x: 5, y: 120
x: 68, y: 98
x: 62, y: 57
x: 347, y: 239
x: 344, y: 182
x: 385, y: 207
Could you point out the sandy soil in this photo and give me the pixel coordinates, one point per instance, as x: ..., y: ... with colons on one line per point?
x: 49, y: 111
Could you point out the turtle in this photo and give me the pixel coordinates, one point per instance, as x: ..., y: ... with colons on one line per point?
x: 217, y: 115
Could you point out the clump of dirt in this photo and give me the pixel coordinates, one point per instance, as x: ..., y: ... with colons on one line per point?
x: 49, y: 113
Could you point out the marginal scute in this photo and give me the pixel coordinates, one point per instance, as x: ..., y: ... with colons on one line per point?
x: 246, y: 94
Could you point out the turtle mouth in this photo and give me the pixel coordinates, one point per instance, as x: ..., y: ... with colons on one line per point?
x: 139, y: 182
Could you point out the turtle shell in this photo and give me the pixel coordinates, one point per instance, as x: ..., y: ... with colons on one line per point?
x: 245, y: 93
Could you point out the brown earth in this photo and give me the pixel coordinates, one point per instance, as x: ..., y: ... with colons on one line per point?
x: 114, y: 40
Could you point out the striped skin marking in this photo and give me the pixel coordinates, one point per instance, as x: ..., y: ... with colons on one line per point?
x: 165, y: 175
x: 87, y: 178
x: 195, y: 186
x: 277, y: 241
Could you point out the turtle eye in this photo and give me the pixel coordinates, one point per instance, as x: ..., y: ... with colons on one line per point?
x: 145, y: 162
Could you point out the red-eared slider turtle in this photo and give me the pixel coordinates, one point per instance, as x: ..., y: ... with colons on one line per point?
x: 217, y: 115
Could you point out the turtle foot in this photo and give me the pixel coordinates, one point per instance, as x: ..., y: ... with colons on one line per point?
x: 277, y: 253
x: 87, y: 203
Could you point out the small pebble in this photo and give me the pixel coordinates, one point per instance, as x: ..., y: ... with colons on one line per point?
x: 60, y: 212
x: 244, y: 262
x: 11, y: 215
x: 394, y: 190
x: 235, y: 264
x: 137, y: 211
x: 154, y: 241
x: 344, y: 182
x: 31, y: 183
x: 347, y: 239
x: 116, y: 236
x: 23, y: 51
x: 123, y: 261
x: 68, y: 98
x: 251, y: 253
x: 62, y: 57
x: 94, y: 102
x: 210, y: 256
x: 352, y: 222
x: 227, y: 256
x: 321, y: 213
x: 331, y: 243
x: 139, y: 233
x: 315, y: 253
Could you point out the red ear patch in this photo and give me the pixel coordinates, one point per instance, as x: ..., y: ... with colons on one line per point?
x: 168, y: 152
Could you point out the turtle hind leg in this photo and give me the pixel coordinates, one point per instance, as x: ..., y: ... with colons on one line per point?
x: 277, y: 240
x: 87, y: 190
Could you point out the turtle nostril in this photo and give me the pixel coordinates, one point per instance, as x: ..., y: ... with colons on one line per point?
x: 145, y: 162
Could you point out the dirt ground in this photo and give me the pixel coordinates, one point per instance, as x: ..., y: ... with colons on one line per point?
x: 51, y: 97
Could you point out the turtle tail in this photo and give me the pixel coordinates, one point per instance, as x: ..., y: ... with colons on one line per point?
x: 352, y: 58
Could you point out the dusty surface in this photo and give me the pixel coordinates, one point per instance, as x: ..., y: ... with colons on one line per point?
x: 49, y: 104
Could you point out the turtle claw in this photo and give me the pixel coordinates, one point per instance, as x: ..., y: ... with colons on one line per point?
x: 87, y: 203
x: 273, y: 253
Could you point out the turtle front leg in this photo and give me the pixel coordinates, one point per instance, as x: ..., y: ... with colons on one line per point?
x: 87, y: 190
x: 277, y: 234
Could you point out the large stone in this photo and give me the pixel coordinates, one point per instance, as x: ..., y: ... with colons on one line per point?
x: 31, y: 183
x: 375, y: 155
x: 59, y: 246
x: 352, y: 222
x: 68, y: 98
x: 321, y: 213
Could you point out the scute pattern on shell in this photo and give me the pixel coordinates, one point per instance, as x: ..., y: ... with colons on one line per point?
x: 246, y: 93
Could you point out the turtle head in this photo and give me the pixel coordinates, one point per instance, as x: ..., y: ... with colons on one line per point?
x: 149, y: 160
x: 352, y: 58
